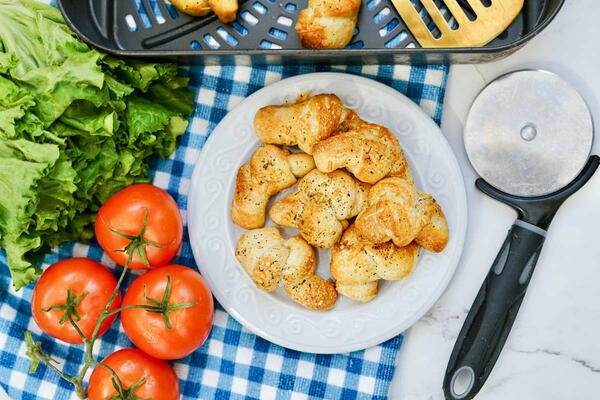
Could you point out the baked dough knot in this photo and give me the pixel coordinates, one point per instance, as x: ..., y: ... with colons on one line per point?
x: 328, y: 24
x: 397, y: 211
x: 369, y: 151
x: 273, y: 262
x: 321, y: 206
x: 303, y: 123
x: 226, y: 10
x: 357, y: 265
x: 270, y: 170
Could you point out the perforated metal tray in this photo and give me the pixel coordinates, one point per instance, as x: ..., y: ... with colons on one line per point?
x: 264, y: 33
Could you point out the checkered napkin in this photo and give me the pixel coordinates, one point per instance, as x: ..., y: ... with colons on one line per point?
x: 233, y: 363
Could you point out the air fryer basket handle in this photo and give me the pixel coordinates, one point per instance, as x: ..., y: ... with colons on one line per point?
x: 494, y: 311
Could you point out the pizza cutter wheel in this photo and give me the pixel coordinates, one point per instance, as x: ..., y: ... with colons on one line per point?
x: 528, y: 135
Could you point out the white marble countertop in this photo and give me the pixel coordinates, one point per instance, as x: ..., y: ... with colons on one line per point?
x: 553, y: 351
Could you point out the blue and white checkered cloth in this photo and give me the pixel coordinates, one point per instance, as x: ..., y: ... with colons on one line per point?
x: 233, y: 363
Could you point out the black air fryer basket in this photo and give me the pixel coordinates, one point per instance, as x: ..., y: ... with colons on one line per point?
x: 264, y: 34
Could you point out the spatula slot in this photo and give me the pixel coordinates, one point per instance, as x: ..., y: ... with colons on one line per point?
x: 465, y: 9
x: 436, y: 16
x: 448, y: 16
x: 424, y: 14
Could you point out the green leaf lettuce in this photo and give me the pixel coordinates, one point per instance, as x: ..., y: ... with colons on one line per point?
x: 76, y: 126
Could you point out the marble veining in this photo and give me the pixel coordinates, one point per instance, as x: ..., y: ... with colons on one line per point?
x: 553, y: 351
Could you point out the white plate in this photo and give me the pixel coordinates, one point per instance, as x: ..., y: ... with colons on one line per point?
x: 350, y: 325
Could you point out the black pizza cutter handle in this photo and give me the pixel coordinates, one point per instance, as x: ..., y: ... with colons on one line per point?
x: 495, y: 308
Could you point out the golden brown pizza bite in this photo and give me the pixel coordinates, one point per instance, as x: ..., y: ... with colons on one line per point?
x: 328, y: 24
x: 350, y: 120
x: 273, y: 262
x: 370, y: 152
x: 226, y: 10
x: 358, y: 265
x: 198, y: 8
x: 397, y: 211
x: 301, y: 124
x: 434, y: 236
x: 321, y: 206
x: 270, y: 170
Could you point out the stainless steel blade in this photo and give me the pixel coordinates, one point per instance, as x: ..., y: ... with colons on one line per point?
x: 529, y: 133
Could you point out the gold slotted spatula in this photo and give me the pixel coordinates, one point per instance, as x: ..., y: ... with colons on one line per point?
x: 490, y: 21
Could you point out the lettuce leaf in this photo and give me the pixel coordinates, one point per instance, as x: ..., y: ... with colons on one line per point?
x: 76, y: 126
x: 13, y: 105
x: 23, y: 165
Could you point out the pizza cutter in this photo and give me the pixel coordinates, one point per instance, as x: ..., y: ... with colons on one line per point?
x: 528, y: 135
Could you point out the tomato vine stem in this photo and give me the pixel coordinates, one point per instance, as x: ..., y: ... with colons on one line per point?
x: 69, y: 308
x: 137, y: 244
x: 161, y: 307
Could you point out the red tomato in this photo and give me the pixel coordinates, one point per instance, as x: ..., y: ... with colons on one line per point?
x: 131, y: 365
x: 189, y: 326
x: 125, y: 212
x: 78, y: 275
